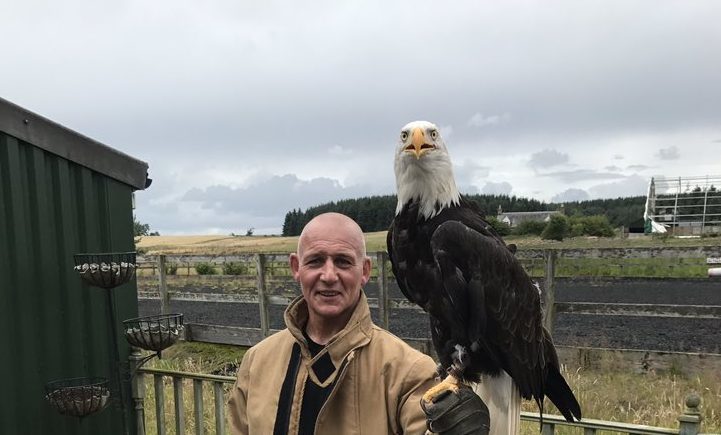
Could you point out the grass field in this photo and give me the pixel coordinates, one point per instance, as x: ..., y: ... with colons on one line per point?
x: 609, y: 391
x: 232, y: 245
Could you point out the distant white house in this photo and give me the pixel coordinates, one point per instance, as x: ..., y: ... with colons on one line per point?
x: 513, y: 218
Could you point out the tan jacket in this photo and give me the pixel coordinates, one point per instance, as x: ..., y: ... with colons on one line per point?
x: 378, y: 389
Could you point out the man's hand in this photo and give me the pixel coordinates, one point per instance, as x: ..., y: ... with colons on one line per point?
x: 457, y: 413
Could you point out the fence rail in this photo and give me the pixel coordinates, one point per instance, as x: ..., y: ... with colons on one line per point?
x: 272, y: 266
x: 689, y: 421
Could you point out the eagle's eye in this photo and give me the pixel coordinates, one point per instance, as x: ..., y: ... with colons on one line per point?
x: 434, y: 134
x: 404, y: 135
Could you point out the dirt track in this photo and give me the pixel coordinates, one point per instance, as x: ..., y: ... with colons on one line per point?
x: 628, y: 332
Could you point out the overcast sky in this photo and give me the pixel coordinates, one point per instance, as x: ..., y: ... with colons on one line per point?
x: 245, y: 110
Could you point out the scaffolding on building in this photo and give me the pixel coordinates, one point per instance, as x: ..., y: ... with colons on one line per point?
x: 684, y: 205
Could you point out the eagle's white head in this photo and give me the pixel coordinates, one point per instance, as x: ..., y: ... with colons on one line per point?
x: 423, y: 169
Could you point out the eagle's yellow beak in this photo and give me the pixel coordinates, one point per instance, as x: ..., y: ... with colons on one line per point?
x: 418, y: 144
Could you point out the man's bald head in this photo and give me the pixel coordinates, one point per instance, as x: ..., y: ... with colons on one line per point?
x: 332, y: 267
x: 345, y: 226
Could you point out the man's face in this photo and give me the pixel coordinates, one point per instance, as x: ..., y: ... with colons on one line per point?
x: 331, y: 269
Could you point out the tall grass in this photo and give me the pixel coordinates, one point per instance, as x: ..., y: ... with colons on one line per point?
x: 194, y: 358
x: 608, y: 391
x: 654, y: 399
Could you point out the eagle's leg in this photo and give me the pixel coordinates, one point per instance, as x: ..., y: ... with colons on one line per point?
x: 440, y: 371
x: 461, y: 359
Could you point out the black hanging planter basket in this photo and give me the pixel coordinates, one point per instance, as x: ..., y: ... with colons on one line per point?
x: 78, y: 397
x: 154, y: 333
x: 106, y: 270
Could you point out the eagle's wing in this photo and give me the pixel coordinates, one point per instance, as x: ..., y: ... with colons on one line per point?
x: 499, y: 303
x: 407, y: 264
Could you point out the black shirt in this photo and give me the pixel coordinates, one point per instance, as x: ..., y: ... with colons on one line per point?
x: 314, y: 396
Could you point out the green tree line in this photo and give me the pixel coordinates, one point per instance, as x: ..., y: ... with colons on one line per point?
x: 375, y: 213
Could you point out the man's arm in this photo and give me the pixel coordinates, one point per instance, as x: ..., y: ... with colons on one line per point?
x: 420, y: 377
x: 237, y: 404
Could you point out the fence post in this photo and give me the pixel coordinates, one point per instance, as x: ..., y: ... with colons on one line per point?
x: 383, y: 299
x: 549, y: 289
x: 137, y: 390
x: 262, y: 302
x: 163, y: 286
x: 690, y: 420
x: 548, y: 429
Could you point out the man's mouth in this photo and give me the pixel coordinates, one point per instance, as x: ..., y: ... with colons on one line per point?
x: 328, y: 293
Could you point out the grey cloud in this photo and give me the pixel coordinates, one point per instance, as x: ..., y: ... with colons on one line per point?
x: 581, y: 175
x: 612, y: 168
x: 480, y: 120
x: 638, y: 167
x: 618, y: 157
x: 500, y: 188
x: 467, y: 173
x: 547, y: 158
x: 634, y: 185
x: 468, y: 189
x: 446, y: 131
x: 670, y: 153
x: 273, y: 196
x: 570, y: 195
x: 339, y: 150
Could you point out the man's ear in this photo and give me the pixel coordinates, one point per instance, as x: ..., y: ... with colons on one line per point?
x: 294, y: 265
x: 366, y: 270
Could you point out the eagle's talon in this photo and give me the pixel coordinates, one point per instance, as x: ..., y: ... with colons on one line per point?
x: 461, y: 360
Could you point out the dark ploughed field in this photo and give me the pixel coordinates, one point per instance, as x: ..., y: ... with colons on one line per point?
x: 681, y: 334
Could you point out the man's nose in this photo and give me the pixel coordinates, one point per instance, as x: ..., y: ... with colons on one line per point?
x: 328, y: 272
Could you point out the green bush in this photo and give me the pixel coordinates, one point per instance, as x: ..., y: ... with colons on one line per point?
x: 575, y: 228
x: 233, y: 268
x: 171, y: 268
x: 205, y: 269
x: 556, y: 229
x: 597, y: 225
x: 529, y: 227
x: 502, y: 228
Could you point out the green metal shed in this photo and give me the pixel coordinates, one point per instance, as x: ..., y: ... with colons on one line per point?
x: 61, y: 193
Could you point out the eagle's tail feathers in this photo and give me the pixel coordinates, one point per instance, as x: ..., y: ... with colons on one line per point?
x: 561, y: 395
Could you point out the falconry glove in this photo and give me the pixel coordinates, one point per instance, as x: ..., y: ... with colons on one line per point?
x: 459, y: 413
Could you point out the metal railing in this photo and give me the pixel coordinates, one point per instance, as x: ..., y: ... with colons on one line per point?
x: 689, y: 421
x: 199, y: 380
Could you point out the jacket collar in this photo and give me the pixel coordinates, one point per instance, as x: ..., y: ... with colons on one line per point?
x: 356, y: 333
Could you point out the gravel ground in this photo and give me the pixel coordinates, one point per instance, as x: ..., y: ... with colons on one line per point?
x: 627, y: 332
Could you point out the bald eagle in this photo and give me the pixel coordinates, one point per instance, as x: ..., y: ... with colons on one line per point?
x: 485, y: 312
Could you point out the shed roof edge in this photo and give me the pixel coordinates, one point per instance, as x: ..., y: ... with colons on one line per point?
x: 71, y: 145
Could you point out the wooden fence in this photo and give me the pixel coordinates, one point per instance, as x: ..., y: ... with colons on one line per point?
x: 263, y: 270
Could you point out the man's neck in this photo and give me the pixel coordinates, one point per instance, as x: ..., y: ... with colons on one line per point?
x: 321, y: 329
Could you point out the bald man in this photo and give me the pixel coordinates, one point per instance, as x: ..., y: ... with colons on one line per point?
x: 331, y: 371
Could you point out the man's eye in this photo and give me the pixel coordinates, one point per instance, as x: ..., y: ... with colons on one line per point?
x: 343, y: 262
